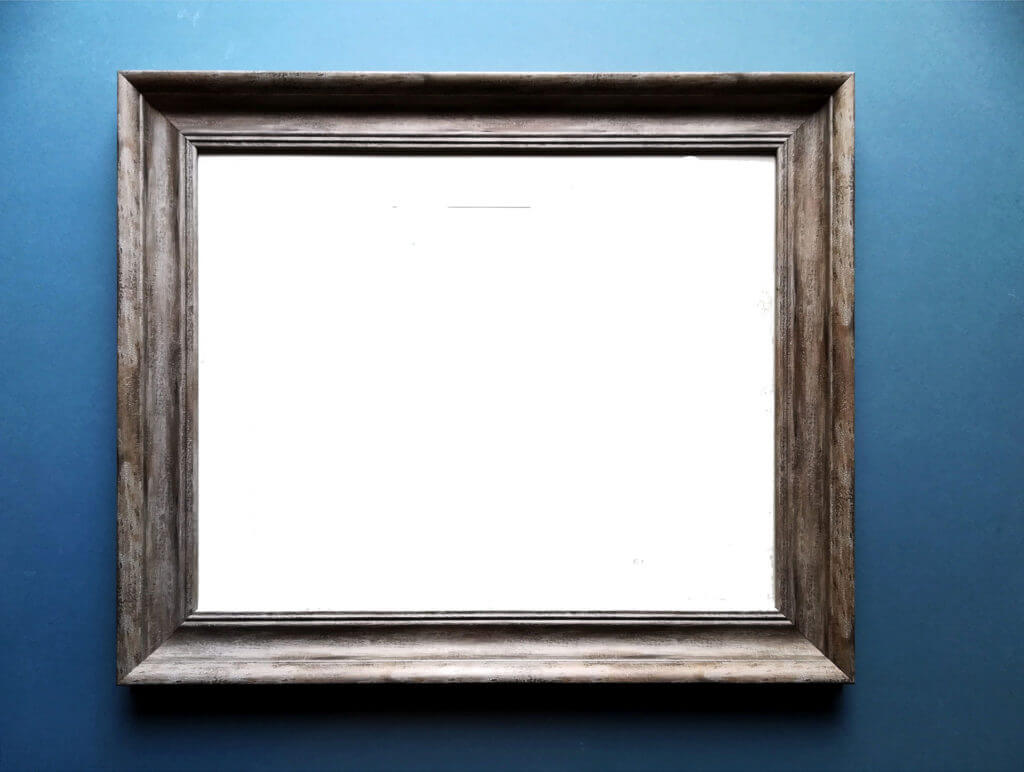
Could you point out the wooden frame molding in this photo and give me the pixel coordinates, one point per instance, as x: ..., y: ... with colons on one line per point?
x: 166, y: 118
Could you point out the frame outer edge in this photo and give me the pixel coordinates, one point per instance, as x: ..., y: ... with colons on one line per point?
x: 130, y: 355
x: 840, y: 640
x: 517, y: 83
x: 218, y: 649
x: 156, y: 246
x: 785, y: 439
x: 803, y: 528
x: 156, y: 530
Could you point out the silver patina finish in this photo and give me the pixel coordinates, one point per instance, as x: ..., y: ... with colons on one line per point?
x: 166, y: 118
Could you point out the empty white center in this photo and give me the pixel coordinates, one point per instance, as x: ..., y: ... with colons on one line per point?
x: 513, y: 382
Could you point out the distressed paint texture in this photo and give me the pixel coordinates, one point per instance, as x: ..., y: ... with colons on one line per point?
x: 805, y: 119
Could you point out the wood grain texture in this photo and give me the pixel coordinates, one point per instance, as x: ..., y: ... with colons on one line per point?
x: 131, y: 509
x: 839, y: 633
x: 284, y: 648
x: 806, y: 532
x: 156, y: 555
x: 166, y: 119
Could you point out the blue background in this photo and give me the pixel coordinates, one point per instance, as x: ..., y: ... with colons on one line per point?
x: 940, y: 371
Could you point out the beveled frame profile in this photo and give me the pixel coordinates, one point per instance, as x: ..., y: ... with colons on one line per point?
x: 165, y: 119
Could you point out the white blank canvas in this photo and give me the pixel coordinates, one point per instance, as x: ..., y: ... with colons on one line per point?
x: 471, y: 382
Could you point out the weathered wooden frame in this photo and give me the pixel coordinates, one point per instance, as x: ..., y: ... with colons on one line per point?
x: 166, y: 118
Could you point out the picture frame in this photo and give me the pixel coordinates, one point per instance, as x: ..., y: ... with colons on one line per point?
x: 166, y: 119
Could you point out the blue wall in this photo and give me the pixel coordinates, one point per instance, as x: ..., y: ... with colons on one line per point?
x: 940, y: 377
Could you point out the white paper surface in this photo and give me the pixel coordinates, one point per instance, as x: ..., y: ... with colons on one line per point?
x: 485, y: 382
